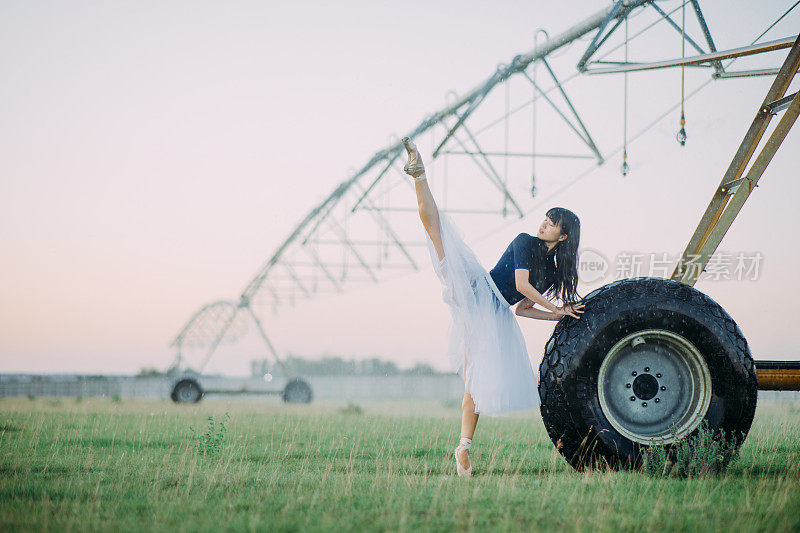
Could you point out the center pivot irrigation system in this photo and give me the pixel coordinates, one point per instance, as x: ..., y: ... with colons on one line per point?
x: 651, y: 358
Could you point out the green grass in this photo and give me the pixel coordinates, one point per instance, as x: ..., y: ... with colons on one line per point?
x: 136, y: 465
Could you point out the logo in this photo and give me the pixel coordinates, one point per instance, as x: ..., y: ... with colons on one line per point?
x: 591, y: 266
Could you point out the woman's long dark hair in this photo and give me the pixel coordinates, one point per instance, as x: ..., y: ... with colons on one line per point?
x: 566, y: 283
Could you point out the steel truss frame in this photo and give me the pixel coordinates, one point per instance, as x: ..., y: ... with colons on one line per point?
x: 327, y: 226
x: 735, y: 189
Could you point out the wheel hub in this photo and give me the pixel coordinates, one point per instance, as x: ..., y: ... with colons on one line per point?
x: 645, y: 386
x: 650, y: 380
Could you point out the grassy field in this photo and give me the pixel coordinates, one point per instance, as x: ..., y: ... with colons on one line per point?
x: 99, y: 464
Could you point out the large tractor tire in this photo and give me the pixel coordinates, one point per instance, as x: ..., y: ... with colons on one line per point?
x: 649, y: 360
x: 297, y: 390
x: 187, y: 390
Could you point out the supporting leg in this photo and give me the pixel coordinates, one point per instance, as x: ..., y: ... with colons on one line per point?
x: 469, y: 419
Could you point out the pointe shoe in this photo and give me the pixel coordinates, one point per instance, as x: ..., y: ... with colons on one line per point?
x: 414, y: 166
x: 463, y: 444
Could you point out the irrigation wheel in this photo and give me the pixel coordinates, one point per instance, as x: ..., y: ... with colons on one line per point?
x: 297, y: 391
x: 649, y: 360
x: 187, y: 390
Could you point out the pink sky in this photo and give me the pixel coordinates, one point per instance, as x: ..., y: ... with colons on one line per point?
x: 155, y: 154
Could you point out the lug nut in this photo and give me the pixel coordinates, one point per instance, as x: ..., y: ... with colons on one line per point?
x: 633, y: 373
x: 644, y: 404
x: 627, y: 385
x: 633, y: 398
x: 657, y: 400
x: 647, y: 369
x: 663, y: 387
x: 658, y: 375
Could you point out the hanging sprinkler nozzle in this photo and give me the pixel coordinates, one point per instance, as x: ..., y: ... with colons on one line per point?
x: 681, y: 136
x: 625, y: 168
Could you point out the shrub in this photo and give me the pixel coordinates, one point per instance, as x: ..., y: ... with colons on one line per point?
x: 700, y: 454
x: 210, y: 442
x: 351, y: 409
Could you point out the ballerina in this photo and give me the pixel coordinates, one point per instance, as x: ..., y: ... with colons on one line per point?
x: 486, y: 346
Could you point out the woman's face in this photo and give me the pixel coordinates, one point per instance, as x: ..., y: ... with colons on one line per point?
x: 548, y: 231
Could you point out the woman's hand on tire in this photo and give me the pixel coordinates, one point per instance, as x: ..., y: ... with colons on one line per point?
x: 571, y: 310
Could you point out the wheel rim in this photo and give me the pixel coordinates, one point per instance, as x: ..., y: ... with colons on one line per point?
x: 297, y: 394
x: 187, y: 394
x: 647, y: 379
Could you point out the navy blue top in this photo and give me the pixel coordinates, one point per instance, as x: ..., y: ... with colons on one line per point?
x: 526, y: 252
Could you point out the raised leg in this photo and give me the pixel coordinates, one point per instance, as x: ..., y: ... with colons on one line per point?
x: 429, y: 214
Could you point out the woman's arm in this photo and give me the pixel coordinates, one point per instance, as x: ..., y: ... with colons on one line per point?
x: 540, y: 314
x: 526, y: 289
x: 525, y: 308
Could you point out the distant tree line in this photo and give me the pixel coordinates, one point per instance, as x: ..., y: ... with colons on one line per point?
x: 150, y: 372
x: 327, y: 366
x: 338, y: 366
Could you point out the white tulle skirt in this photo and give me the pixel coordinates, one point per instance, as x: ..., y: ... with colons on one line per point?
x: 486, y: 346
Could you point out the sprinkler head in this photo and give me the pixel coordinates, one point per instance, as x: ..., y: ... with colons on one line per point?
x: 625, y: 168
x: 681, y: 137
